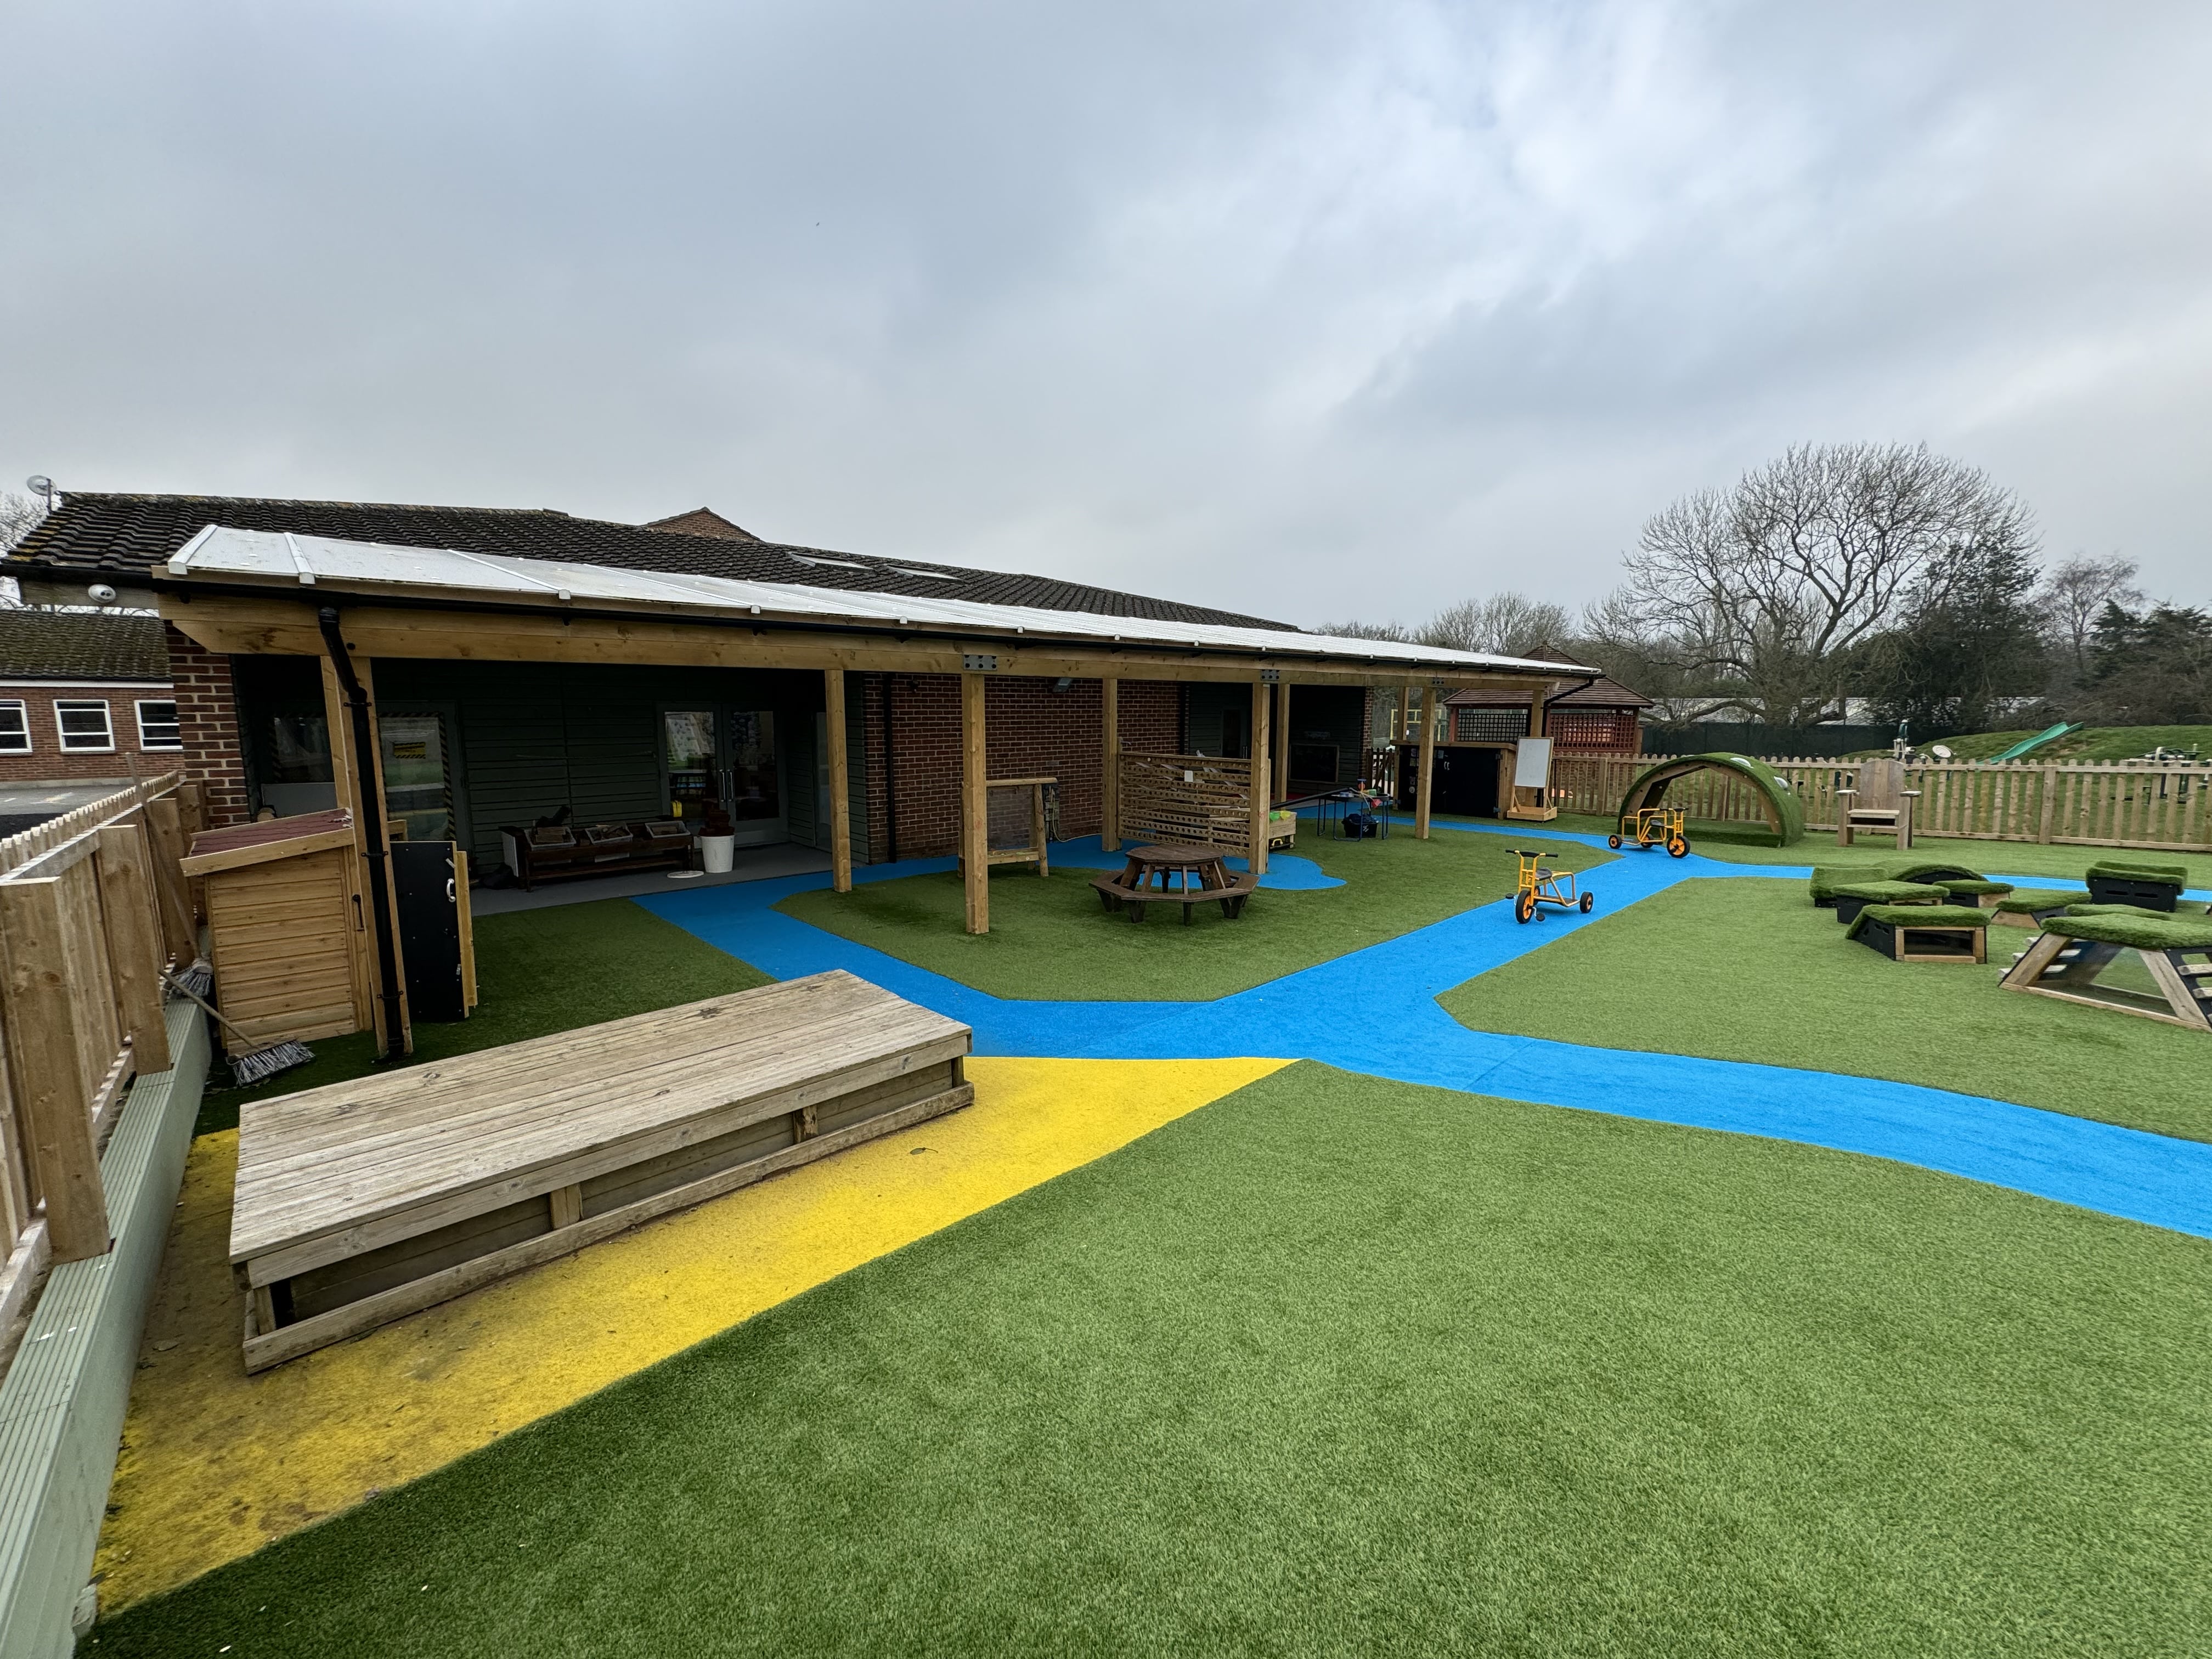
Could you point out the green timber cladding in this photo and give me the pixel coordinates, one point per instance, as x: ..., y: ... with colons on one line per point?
x: 524, y: 739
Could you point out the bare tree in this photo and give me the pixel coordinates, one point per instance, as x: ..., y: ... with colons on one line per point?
x: 19, y: 514
x: 1360, y: 630
x: 2075, y: 595
x: 1506, y: 624
x: 1757, y: 595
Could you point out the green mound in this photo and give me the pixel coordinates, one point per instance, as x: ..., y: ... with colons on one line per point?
x: 1919, y: 915
x: 1955, y: 885
x: 2144, y: 930
x: 2027, y: 902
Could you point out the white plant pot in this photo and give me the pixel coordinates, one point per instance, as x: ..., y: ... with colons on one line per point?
x: 719, y: 853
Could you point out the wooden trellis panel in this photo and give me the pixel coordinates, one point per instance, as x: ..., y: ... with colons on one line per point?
x: 1186, y: 800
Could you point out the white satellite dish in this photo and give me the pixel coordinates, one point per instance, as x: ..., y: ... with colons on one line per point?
x: 1939, y: 751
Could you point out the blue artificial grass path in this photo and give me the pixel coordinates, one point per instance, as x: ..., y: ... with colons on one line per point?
x: 1375, y: 1011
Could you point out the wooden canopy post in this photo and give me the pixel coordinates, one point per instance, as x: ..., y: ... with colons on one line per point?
x: 1261, y: 745
x: 841, y: 815
x: 353, y: 773
x: 48, y: 1056
x: 1536, y: 712
x: 974, y: 806
x: 1278, y: 748
x: 1109, y: 779
x: 1421, y: 804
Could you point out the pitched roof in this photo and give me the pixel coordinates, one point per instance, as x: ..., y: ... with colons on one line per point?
x: 81, y: 645
x: 125, y: 535
x: 1601, y: 693
x: 702, y: 521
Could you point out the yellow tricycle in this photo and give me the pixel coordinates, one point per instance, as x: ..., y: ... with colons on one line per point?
x: 1539, y: 883
x: 1654, y: 826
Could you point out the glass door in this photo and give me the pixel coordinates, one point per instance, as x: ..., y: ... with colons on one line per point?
x: 723, y: 772
x: 418, y: 786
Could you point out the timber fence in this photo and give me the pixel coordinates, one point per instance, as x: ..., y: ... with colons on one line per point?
x: 2154, y: 805
x: 93, y: 905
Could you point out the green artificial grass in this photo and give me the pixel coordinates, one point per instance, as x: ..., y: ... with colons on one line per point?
x: 1051, y: 940
x: 2091, y: 743
x: 1955, y: 886
x: 1748, y: 973
x: 2141, y: 930
x: 2009, y: 858
x: 2112, y: 870
x: 537, y: 972
x: 1890, y: 892
x: 2029, y: 900
x: 1828, y: 877
x: 1935, y: 870
x: 1499, y: 1379
x: 1918, y: 916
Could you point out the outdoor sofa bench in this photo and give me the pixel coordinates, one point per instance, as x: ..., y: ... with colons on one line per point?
x: 360, y: 1202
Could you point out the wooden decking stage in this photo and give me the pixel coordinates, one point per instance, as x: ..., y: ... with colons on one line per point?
x: 363, y: 1201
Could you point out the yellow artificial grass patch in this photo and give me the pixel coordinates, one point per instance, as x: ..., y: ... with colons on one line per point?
x: 215, y: 1464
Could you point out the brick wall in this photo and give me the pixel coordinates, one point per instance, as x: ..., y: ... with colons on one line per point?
x: 49, y: 760
x: 207, y: 708
x: 1030, y: 730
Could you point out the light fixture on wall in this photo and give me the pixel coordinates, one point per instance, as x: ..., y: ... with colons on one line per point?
x: 1063, y: 683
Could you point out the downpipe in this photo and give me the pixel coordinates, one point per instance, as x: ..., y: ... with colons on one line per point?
x: 372, y: 826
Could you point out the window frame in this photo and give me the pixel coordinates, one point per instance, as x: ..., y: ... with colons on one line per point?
x: 22, y: 708
x: 140, y: 705
x: 63, y: 735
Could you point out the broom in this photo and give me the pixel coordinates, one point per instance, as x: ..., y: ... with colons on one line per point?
x: 197, y: 980
x: 251, y: 1067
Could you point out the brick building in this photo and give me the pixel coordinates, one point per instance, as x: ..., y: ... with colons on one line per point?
x: 488, y: 744
x: 85, y: 695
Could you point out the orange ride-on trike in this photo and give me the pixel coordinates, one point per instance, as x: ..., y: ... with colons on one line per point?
x: 1654, y: 826
x: 1541, y: 884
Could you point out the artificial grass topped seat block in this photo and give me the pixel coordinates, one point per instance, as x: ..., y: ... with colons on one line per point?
x: 1826, y: 877
x: 1892, y: 892
x: 1918, y: 916
x: 1931, y: 869
x: 2143, y: 931
x: 2174, y: 874
x: 2029, y: 901
x: 1955, y: 885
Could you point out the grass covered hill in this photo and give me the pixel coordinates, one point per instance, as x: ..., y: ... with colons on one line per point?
x: 1504, y: 1380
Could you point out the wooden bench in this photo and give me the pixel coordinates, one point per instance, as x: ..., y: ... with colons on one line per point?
x: 363, y: 1201
x: 1115, y: 895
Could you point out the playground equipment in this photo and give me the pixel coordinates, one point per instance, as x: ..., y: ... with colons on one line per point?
x: 1764, y: 789
x: 1654, y: 826
x: 1537, y: 883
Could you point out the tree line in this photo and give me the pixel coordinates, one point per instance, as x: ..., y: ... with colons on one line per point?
x: 1877, y: 579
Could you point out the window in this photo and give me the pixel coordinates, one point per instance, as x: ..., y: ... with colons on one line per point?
x: 158, y: 727
x: 83, y: 724
x: 15, y: 728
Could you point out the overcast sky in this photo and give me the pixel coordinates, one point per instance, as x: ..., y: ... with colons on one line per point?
x: 1315, y: 310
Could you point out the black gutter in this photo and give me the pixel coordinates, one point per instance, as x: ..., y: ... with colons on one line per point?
x: 371, y: 828
x: 1570, y: 691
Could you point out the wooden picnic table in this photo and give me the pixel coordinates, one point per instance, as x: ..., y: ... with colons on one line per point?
x: 1203, y: 873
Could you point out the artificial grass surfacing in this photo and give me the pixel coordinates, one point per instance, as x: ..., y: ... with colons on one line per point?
x: 1745, y: 970
x: 1517, y: 1380
x: 2005, y: 858
x: 537, y: 972
x: 1051, y: 940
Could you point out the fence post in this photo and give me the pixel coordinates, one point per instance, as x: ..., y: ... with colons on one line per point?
x: 134, y: 942
x: 46, y: 1066
x: 2050, y: 804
